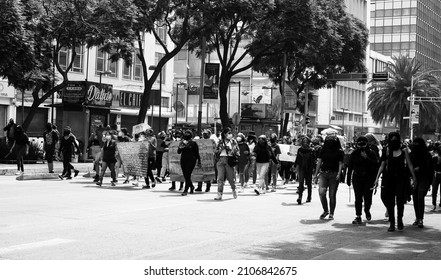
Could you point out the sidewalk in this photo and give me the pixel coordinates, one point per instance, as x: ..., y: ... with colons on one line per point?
x: 33, y: 168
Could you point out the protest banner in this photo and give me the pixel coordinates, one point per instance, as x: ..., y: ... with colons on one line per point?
x: 134, y: 157
x: 200, y: 174
x: 140, y: 128
x: 285, y: 148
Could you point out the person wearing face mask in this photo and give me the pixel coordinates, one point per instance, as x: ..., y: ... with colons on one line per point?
x: 159, y: 153
x: 423, y: 166
x: 206, y: 134
x: 251, y: 142
x: 393, y: 160
x: 189, y: 151
x: 108, y: 152
x: 304, y: 164
x: 329, y: 164
x: 177, y: 137
x: 263, y: 154
x: 362, y: 169
x: 242, y: 165
x: 151, y: 141
x: 227, y: 147
x: 274, y: 165
x: 122, y: 137
x: 68, y: 146
x: 437, y: 177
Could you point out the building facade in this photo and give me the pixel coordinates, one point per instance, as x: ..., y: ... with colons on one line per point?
x: 408, y: 27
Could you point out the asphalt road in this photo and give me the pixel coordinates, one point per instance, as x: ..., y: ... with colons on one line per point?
x: 77, y: 220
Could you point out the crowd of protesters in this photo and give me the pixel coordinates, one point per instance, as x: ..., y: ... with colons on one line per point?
x: 403, y: 170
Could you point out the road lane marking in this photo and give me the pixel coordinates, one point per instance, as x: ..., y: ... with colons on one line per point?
x: 35, y: 245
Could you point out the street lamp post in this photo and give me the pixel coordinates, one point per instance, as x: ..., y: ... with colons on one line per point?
x: 153, y: 67
x: 176, y: 101
x: 343, y: 122
x: 107, y: 72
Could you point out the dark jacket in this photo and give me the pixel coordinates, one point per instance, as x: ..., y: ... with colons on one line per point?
x: 189, y: 151
x: 360, y: 166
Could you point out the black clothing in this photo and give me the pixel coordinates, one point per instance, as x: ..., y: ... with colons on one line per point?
x: 109, y: 152
x: 189, y: 155
x: 331, y: 159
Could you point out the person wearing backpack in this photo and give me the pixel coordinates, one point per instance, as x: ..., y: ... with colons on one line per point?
x: 394, y: 159
x: 50, y: 139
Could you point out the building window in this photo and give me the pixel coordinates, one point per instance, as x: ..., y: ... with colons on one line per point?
x: 104, y: 64
x: 158, y: 57
x: 65, y: 57
x: 182, y: 55
x: 161, y: 30
x: 165, y: 101
x: 133, y: 71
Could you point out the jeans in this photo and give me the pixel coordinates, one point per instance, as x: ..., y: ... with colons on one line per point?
x: 285, y: 170
x: 262, y: 171
x: 251, y: 171
x: 362, y: 190
x: 243, y: 175
x: 418, y: 195
x: 328, y: 179
x: 224, y: 171
x: 435, y: 186
x: 305, y: 176
x: 150, y: 167
x: 111, y: 166
x: 272, y: 176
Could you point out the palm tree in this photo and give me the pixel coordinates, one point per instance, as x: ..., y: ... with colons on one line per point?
x: 389, y: 99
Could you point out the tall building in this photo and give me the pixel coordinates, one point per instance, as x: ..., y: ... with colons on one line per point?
x: 408, y: 27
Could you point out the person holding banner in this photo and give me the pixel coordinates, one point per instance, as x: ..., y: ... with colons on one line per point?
x: 151, y: 154
x: 189, y: 151
x: 206, y: 134
x: 177, y: 137
x: 226, y: 148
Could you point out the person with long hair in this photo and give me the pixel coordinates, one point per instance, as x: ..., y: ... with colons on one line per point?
x: 362, y: 169
x: 263, y: 154
x: 329, y: 164
x: 21, y: 146
x: 423, y: 167
x: 189, y: 151
x: 393, y: 160
x: 109, y: 154
x: 226, y: 148
x: 437, y: 177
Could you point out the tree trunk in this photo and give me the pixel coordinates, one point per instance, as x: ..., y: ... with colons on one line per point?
x: 31, y: 114
x: 145, y: 101
x: 223, y: 108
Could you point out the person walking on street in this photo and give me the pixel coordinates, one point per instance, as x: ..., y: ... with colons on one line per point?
x: 437, y: 177
x: 159, y: 152
x: 263, y: 154
x: 206, y: 134
x: 177, y: 137
x: 251, y: 141
x: 50, y: 139
x: 274, y: 165
x: 329, y: 167
x: 94, y: 147
x: 189, y: 151
x: 304, y: 164
x: 68, y: 147
x: 21, y: 146
x: 151, y: 154
x: 362, y: 169
x: 226, y: 148
x: 423, y: 167
x: 242, y: 165
x: 109, y: 155
x: 393, y: 160
x: 10, y: 129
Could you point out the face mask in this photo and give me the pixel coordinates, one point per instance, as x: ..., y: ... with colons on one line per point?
x: 141, y: 138
x: 273, y: 140
x: 108, y: 137
x: 394, y: 145
x: 239, y: 139
x: 120, y: 134
x: 187, y: 137
x: 229, y: 136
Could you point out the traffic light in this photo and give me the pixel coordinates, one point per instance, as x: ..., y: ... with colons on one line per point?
x: 307, y: 120
x: 380, y: 76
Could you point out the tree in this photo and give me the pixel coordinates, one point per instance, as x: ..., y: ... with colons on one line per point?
x: 388, y: 100
x: 333, y: 42
x: 49, y: 26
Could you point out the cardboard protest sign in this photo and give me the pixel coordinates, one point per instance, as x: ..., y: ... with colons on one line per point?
x: 285, y: 148
x: 134, y: 157
x: 200, y: 174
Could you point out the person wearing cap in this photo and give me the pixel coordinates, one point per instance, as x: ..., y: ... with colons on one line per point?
x: 226, y: 148
x: 362, y: 169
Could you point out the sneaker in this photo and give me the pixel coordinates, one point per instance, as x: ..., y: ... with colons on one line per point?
x: 153, y: 185
x: 126, y: 181
x: 391, y: 228
x: 18, y: 173
x: 357, y: 221
x: 400, y: 225
x: 69, y: 178
x: 146, y: 187
x: 76, y: 173
x: 172, y: 189
x: 299, y: 201
x: 218, y: 197
x: 415, y: 223
x: 368, y: 215
x: 234, y: 194
x: 323, y: 215
x: 273, y: 190
x: 433, y: 209
x: 257, y: 191
x: 420, y: 224
x: 331, y: 216
x: 98, y: 183
x: 112, y: 183
x: 245, y: 186
x: 62, y: 178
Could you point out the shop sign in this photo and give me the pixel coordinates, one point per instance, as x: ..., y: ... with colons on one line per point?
x: 253, y: 111
x: 99, y: 95
x: 130, y: 99
x: 211, y: 82
x: 74, y: 93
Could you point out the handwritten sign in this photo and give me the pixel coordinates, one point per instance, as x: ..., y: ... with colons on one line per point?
x: 134, y: 157
x: 200, y: 174
x: 285, y: 148
x: 140, y: 128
